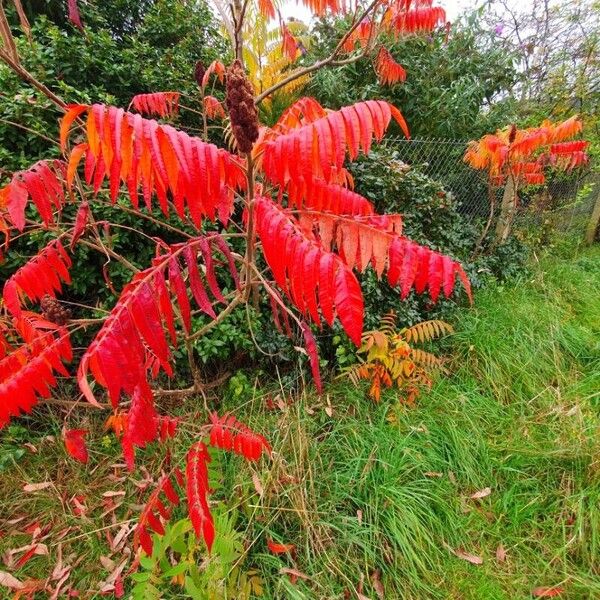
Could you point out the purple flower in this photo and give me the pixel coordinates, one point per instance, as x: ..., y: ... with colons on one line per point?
x: 499, y: 28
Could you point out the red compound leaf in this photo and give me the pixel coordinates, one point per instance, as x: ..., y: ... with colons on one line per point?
x: 162, y: 104
x: 27, y: 372
x: 197, y: 493
x: 126, y: 148
x: 318, y: 150
x: 132, y: 344
x: 43, y: 184
x: 326, y: 282
x: 41, y: 275
x: 156, y: 511
x: 388, y: 70
x: 228, y: 433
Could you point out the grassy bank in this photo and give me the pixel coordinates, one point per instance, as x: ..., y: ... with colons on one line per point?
x: 383, y: 493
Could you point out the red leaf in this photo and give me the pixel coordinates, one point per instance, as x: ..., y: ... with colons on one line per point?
x: 388, y: 70
x: 216, y: 67
x: 285, y: 248
x: 329, y: 137
x: 213, y: 108
x: 229, y: 434
x: 149, y: 519
x: 302, y: 112
x: 289, y: 45
x: 75, y: 444
x: 131, y: 344
x: 266, y: 8
x: 163, y: 104
x: 43, y: 183
x: 74, y: 15
x: 141, y: 152
x: 81, y: 221
x: 197, y: 492
x: 27, y: 373
x: 42, y: 275
x: 277, y: 548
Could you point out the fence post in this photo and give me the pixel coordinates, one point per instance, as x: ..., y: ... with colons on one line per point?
x: 507, y: 210
x: 594, y: 223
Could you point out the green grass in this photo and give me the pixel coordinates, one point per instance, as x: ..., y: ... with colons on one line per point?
x: 387, y: 487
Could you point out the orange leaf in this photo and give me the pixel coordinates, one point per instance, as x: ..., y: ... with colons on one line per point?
x: 277, y: 548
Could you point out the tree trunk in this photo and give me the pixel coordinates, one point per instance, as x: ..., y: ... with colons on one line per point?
x: 507, y: 211
x: 594, y: 224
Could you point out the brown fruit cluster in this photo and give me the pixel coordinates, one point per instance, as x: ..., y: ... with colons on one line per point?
x: 512, y: 134
x: 54, y: 312
x: 242, y: 110
x: 199, y: 71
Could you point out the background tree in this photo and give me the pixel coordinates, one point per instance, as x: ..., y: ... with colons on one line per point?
x: 128, y: 48
x: 557, y: 46
x: 461, y: 76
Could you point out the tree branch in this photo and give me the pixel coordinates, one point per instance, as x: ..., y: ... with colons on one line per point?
x: 330, y: 60
x: 29, y: 78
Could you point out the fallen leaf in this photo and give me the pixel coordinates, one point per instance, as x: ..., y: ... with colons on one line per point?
x: 472, y: 558
x: 107, y: 563
x: 329, y: 408
x: 7, y: 580
x: 36, y: 487
x: 377, y: 585
x: 547, y: 592
x: 257, y: 485
x: 359, y: 515
x: 276, y: 548
x: 481, y: 493
x: 119, y: 587
x: 33, y: 550
x: 112, y: 494
x: 120, y: 537
x: 500, y: 553
x: 294, y: 573
x: 433, y: 474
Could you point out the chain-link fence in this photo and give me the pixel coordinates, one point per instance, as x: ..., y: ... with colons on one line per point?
x: 567, y: 199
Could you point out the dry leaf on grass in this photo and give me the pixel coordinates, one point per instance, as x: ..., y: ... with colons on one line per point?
x: 481, y: 493
x: 294, y: 573
x: 257, y: 485
x: 36, y: 487
x: 7, y: 580
x: 547, y: 592
x: 500, y: 553
x: 377, y: 585
x: 472, y: 558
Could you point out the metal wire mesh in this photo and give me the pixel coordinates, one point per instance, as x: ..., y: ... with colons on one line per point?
x: 566, y: 198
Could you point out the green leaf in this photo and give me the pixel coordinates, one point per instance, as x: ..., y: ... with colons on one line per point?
x: 178, y: 569
x: 147, y: 562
